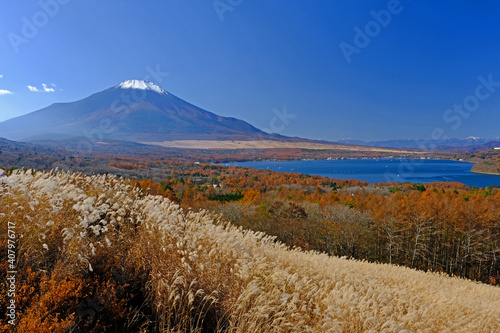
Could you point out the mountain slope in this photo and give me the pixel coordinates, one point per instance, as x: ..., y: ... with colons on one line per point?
x: 133, y: 110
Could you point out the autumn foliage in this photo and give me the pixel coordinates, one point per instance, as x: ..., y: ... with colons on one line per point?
x: 444, y: 227
x: 102, y: 254
x: 127, y: 166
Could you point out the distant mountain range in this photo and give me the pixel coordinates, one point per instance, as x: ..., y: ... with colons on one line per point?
x: 137, y: 111
x: 468, y: 145
x: 134, y: 110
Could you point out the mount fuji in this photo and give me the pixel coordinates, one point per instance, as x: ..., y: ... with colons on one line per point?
x: 134, y: 110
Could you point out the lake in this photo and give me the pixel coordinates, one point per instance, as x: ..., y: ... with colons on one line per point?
x: 383, y: 170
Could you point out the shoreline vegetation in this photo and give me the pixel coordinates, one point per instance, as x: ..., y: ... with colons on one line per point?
x: 486, y: 167
x: 487, y: 162
x: 486, y: 173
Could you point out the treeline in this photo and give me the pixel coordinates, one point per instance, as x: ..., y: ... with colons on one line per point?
x: 445, y: 227
x: 127, y: 166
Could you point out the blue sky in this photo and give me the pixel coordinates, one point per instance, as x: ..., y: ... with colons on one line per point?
x: 422, y: 69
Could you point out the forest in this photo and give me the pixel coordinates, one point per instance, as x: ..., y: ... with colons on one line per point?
x: 446, y: 227
x: 99, y: 254
x: 442, y: 227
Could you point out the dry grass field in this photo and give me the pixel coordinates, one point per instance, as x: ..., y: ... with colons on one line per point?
x: 94, y: 254
x: 269, y: 144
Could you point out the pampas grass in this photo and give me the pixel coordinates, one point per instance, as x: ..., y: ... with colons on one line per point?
x: 199, y: 273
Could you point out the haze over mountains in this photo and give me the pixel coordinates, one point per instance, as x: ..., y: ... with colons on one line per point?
x: 134, y: 110
x: 466, y: 145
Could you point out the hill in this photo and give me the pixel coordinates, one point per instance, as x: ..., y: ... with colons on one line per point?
x: 127, y: 117
x: 124, y: 119
x: 98, y: 255
x: 487, y: 161
x: 133, y: 110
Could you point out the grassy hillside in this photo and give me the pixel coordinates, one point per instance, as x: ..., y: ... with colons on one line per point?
x: 487, y: 161
x: 93, y: 254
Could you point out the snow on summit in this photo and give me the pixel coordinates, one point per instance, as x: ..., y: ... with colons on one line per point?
x: 140, y: 84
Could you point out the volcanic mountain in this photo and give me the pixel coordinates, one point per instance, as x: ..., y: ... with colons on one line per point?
x: 134, y: 110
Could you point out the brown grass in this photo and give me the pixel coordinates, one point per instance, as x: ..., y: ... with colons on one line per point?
x: 269, y: 144
x: 95, y: 255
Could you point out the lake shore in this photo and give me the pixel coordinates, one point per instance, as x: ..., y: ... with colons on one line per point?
x: 485, y: 172
x: 384, y: 170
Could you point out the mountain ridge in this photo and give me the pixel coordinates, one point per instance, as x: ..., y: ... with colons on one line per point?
x: 134, y: 110
x: 466, y: 145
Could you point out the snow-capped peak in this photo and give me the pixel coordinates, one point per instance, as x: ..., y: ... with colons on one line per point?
x: 141, y: 84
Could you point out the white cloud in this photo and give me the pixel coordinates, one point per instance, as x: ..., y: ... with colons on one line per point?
x: 47, y: 89
x: 5, y: 92
x: 44, y: 89
x: 1, y: 76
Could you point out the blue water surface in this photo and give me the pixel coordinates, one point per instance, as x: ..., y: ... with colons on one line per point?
x: 383, y: 170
